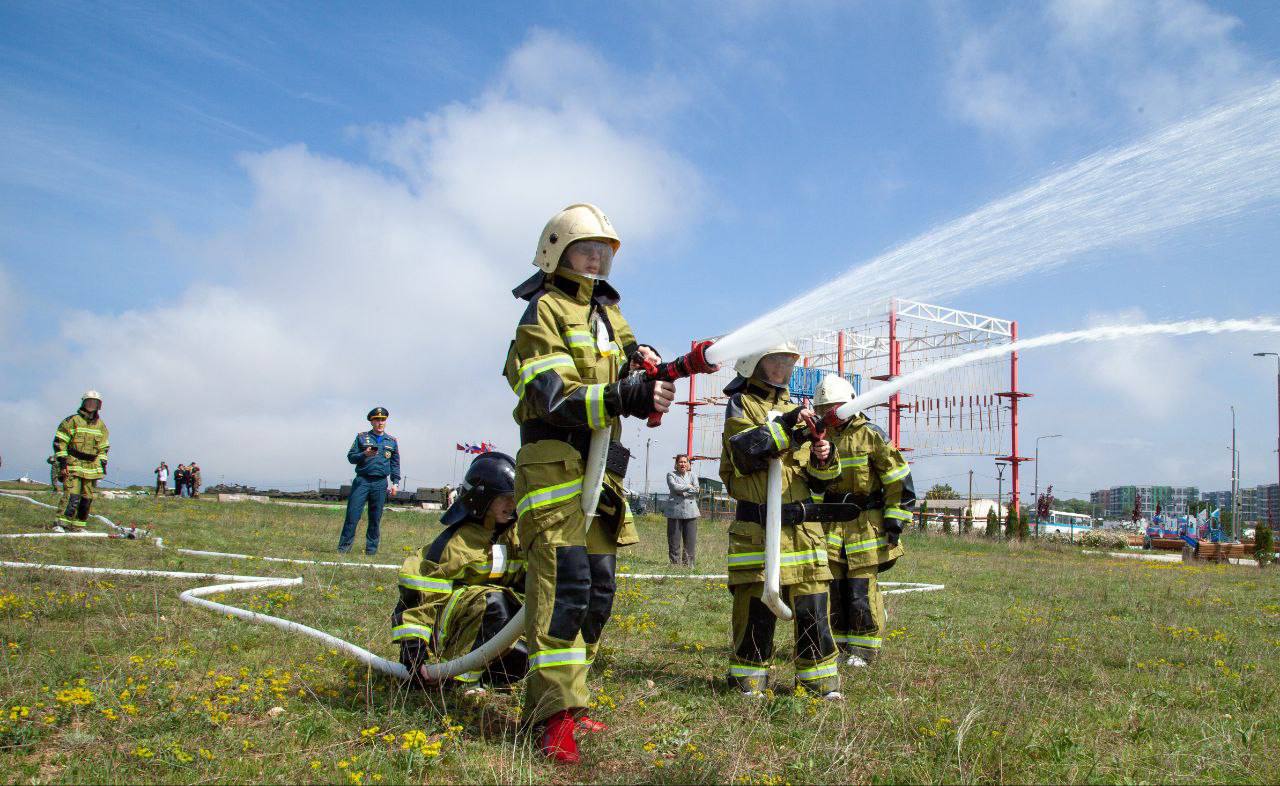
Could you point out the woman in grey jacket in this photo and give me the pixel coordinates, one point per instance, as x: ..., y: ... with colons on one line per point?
x: 682, y: 513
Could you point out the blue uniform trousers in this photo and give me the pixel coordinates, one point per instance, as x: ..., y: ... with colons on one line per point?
x: 374, y: 491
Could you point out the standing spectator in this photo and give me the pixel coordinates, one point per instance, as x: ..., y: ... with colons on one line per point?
x: 193, y: 479
x: 682, y: 513
x: 376, y: 455
x: 162, y: 479
x: 179, y: 480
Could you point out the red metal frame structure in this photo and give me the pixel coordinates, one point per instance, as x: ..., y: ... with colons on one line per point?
x: 1013, y: 394
x: 917, y: 334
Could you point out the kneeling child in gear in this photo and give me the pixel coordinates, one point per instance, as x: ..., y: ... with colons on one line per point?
x: 466, y: 586
x: 876, y: 479
x: 762, y: 424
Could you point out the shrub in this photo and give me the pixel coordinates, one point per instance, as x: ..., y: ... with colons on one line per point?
x: 993, y: 523
x: 1102, y: 539
x: 1264, y: 546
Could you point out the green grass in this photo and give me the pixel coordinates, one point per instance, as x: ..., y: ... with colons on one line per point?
x: 1036, y: 664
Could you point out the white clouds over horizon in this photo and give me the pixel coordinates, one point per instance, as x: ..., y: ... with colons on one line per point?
x: 355, y: 283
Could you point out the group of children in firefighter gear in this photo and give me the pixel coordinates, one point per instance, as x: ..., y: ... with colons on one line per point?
x: 518, y: 535
x: 80, y: 447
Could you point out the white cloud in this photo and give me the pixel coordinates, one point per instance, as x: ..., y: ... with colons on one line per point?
x: 1039, y: 68
x: 362, y: 283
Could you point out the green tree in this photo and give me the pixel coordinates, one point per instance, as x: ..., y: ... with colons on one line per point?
x: 966, y: 524
x: 1264, y: 546
x: 1011, y: 523
x: 993, y: 523
x: 946, y: 524
x: 941, y: 491
x: 924, y: 515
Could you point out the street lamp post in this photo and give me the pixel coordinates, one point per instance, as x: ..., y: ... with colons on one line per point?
x: 999, y: 498
x: 1235, y: 479
x: 1276, y: 355
x: 1036, y: 494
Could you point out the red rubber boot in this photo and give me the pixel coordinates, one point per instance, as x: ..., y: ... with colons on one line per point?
x: 591, y: 726
x: 558, y: 743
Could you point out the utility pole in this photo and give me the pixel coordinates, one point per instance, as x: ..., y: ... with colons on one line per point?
x: 1274, y: 498
x: 1036, y: 494
x: 1235, y: 477
x: 971, y: 495
x: 999, y: 494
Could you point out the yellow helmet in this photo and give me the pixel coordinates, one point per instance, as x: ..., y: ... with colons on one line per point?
x: 833, y: 389
x: 582, y: 221
x: 745, y: 366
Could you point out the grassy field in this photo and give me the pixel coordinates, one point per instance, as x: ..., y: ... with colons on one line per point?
x: 1036, y: 664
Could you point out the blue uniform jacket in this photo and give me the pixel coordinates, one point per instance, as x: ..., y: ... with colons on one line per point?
x: 384, y: 463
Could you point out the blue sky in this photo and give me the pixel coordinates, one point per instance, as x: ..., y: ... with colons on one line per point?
x: 248, y: 223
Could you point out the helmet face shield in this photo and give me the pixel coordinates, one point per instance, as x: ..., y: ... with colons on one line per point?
x: 775, y: 369
x: 590, y: 258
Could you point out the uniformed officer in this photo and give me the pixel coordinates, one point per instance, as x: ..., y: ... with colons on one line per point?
x: 80, y: 448
x: 376, y: 455
x: 457, y: 593
x: 877, y: 480
x: 565, y: 367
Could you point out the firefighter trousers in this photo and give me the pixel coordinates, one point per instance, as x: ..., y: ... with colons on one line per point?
x: 569, y: 589
x: 753, y: 631
x: 857, y: 609
x: 77, y: 497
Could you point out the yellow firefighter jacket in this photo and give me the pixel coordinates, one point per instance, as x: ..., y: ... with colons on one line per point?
x: 83, y: 443
x: 875, y: 475
x: 433, y: 579
x: 571, y: 345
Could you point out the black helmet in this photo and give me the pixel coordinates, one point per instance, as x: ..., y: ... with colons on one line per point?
x: 376, y: 412
x: 490, y: 475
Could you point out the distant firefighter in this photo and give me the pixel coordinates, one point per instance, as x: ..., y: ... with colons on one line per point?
x: 80, y: 448
x: 193, y: 479
x: 376, y: 455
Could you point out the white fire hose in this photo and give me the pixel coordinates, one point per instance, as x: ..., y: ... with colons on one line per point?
x: 772, y: 595
x: 773, y: 543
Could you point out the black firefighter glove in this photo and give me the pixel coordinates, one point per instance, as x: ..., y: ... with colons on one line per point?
x: 799, y: 428
x: 104, y: 466
x: 413, y: 653
x: 635, y: 395
x: 63, y: 472
x: 892, y: 531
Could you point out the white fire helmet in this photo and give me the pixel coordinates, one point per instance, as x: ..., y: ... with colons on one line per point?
x: 91, y: 394
x: 745, y: 366
x: 580, y: 222
x: 833, y: 389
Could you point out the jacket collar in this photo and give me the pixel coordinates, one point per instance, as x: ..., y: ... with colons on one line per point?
x: 89, y: 416
x: 576, y: 287
x: 758, y: 389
